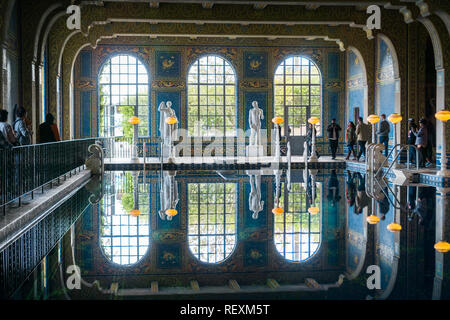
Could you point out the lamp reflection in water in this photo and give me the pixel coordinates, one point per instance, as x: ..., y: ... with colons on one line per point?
x: 311, y: 185
x: 168, y: 195
x: 277, y: 210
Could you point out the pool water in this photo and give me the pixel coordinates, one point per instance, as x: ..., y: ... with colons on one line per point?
x: 299, y: 234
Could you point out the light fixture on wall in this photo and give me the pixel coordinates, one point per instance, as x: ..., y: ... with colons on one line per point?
x: 277, y: 211
x: 444, y: 116
x: 134, y: 121
x: 394, y: 119
x: 313, y: 121
x: 171, y: 212
x: 135, y: 212
x: 394, y: 227
x: 373, y: 219
x: 442, y: 246
x: 313, y: 210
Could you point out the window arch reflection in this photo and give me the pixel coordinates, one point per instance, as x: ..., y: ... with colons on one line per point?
x: 212, y: 220
x: 124, y: 238
x: 297, y: 233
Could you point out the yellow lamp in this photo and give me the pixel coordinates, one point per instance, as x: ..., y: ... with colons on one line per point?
x: 395, y: 118
x: 313, y: 210
x: 394, y: 227
x: 135, y: 212
x: 443, y: 115
x: 277, y: 211
x: 372, y: 219
x: 313, y: 120
x: 442, y: 246
x: 373, y: 118
x: 171, y: 120
x: 134, y: 120
x: 277, y: 120
x: 171, y: 212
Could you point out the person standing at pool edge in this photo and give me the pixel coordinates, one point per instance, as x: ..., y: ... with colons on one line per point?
x: 383, y: 133
x: 333, y: 135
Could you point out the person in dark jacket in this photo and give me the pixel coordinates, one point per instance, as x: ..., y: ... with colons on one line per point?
x: 333, y: 135
x: 350, y: 138
x: 362, y: 136
x: 383, y: 133
x: 411, y: 140
x: 421, y: 142
x: 21, y: 127
x: 6, y: 131
x: 48, y: 131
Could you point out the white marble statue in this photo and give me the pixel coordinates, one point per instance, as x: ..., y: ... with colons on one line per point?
x: 165, y: 111
x: 168, y: 195
x: 255, y: 115
x: 254, y: 200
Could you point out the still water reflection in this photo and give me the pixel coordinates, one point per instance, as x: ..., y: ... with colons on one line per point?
x: 186, y: 229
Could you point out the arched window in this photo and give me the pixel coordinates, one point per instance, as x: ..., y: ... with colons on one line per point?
x: 124, y: 238
x: 298, y: 94
x: 212, y: 220
x: 211, y: 88
x: 296, y: 231
x: 123, y: 92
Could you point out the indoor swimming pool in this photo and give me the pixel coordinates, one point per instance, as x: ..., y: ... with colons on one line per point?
x: 250, y: 234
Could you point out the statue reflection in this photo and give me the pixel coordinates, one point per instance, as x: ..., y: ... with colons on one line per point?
x: 255, y: 203
x: 168, y: 194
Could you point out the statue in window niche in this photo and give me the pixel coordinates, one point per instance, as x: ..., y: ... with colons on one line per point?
x: 255, y: 203
x: 255, y: 116
x: 168, y: 194
x: 165, y: 111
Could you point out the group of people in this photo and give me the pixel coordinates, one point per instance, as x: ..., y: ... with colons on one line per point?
x: 20, y: 132
x: 421, y: 136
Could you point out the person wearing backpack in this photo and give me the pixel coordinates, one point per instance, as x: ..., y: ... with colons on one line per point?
x: 20, y: 127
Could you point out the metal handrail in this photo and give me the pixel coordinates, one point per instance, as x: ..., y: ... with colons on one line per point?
x: 23, y: 169
x: 402, y: 147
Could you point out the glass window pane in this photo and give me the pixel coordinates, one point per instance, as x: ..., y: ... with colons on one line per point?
x: 209, y: 98
x: 297, y: 84
x: 119, y: 78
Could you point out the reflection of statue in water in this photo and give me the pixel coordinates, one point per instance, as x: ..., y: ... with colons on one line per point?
x: 254, y: 200
x: 255, y: 115
x: 165, y: 111
x: 168, y: 195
